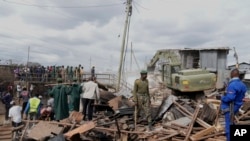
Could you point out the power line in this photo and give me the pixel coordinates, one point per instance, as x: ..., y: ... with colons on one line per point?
x: 51, y: 6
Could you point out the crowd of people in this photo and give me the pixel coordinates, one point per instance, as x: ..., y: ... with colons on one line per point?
x: 63, y: 99
x: 50, y: 73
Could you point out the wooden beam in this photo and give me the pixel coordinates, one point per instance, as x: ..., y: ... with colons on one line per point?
x: 169, y: 136
x: 202, y: 133
x: 210, y: 136
x: 81, y: 129
x: 192, y: 122
x: 198, y: 120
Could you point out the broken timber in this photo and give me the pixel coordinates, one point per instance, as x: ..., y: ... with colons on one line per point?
x: 81, y: 129
x: 198, y: 120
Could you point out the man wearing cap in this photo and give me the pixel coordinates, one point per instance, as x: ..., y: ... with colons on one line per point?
x: 15, y: 114
x: 142, y: 98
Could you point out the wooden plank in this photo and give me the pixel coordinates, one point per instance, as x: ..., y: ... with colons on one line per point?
x: 202, y: 133
x: 7, y: 132
x: 2, y: 137
x: 169, y: 136
x: 124, y: 137
x: 211, y: 135
x: 81, y: 129
x: 192, y: 122
x: 198, y: 120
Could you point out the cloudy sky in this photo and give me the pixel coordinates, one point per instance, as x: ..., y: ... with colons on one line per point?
x: 90, y: 32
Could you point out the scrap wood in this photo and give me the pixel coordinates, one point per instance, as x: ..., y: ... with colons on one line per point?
x: 46, y: 129
x: 55, y: 84
x: 211, y: 135
x: 202, y: 133
x: 122, y: 131
x: 192, y: 122
x: 75, y: 117
x: 169, y: 136
x: 114, y: 103
x: 243, y: 115
x: 17, y: 128
x: 81, y: 129
x: 187, y: 113
x: 5, y: 133
x: 212, y: 139
x: 26, y: 127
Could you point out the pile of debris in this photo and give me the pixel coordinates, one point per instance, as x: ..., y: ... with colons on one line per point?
x: 174, y: 119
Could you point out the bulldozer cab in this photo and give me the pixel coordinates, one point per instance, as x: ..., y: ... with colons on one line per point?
x: 167, y: 71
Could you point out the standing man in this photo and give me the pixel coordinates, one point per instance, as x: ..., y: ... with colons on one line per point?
x: 33, y: 108
x: 6, y: 99
x: 60, y: 94
x: 18, y: 89
x: 142, y: 97
x: 15, y: 114
x: 25, y: 98
x: 93, y: 71
x: 90, y: 95
x: 232, y: 100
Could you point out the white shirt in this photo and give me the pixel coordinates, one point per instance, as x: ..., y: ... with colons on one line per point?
x: 15, y: 113
x: 51, y: 102
x: 18, y: 88
x: 91, y: 90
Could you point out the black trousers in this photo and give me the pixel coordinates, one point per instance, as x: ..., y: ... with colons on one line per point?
x: 88, y: 106
x: 7, y: 108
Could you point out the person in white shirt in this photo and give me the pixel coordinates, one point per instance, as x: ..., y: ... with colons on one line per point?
x: 18, y: 89
x: 90, y: 95
x: 15, y: 114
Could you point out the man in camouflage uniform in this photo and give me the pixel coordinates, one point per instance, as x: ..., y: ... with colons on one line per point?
x: 142, y: 98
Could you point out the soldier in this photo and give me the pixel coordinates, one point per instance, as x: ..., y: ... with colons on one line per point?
x: 142, y: 98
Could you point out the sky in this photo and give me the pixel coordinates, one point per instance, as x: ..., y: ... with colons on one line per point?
x: 90, y: 32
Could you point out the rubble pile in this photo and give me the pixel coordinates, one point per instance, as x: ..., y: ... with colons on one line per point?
x: 174, y: 119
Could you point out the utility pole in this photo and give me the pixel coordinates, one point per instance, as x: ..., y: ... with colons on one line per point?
x: 128, y: 15
x: 27, y: 85
x: 131, y: 57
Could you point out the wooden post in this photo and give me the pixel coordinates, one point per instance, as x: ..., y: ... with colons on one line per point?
x: 192, y: 122
x: 187, y: 113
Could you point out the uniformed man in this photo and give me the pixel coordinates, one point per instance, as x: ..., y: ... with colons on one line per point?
x: 142, y: 97
x: 233, y: 98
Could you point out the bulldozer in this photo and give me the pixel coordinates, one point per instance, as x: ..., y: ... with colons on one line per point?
x: 189, y: 82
